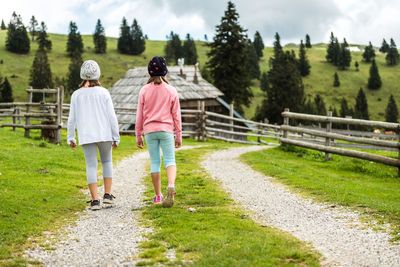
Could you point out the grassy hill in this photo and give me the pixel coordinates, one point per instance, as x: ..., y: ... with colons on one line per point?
x: 114, y: 65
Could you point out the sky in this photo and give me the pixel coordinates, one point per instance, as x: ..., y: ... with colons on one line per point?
x: 359, y: 21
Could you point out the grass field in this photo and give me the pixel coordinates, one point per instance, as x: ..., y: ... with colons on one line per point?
x: 40, y: 187
x: 319, y: 81
x: 217, y: 233
x: 372, y: 188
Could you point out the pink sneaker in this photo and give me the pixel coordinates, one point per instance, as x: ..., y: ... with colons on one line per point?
x: 158, y: 199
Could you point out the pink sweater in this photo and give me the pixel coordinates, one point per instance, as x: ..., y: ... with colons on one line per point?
x: 158, y: 110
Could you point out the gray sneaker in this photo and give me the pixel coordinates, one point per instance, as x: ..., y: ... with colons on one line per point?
x: 169, y: 197
x: 94, y: 204
x: 108, y: 199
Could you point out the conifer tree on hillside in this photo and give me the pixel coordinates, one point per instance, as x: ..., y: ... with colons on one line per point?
x: 74, y: 43
x: 253, y: 65
x: 264, y: 84
x: 320, y: 105
x: 42, y: 38
x: 392, y: 56
x: 125, y: 38
x: 205, y: 37
x: 369, y: 53
x: 33, y: 27
x: 344, y: 108
x: 304, y: 64
x: 17, y: 36
x: 6, y: 91
x: 99, y: 39
x: 374, y: 80
x: 173, y: 49
x: 227, y: 55
x: 74, y: 73
x: 258, y: 44
x: 391, y: 112
x: 384, y: 47
x: 361, y: 107
x: 138, y: 40
x: 3, y: 25
x: 331, y: 50
x: 189, y: 50
x: 344, y: 58
x: 286, y: 89
x: 336, y: 82
x: 308, y: 41
x: 40, y: 74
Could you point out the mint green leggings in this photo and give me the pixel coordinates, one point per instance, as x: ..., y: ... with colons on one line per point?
x: 166, y: 141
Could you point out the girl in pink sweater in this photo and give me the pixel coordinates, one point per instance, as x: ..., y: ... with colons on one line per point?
x: 158, y: 115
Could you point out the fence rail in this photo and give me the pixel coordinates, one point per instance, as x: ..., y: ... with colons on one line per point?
x: 331, y: 146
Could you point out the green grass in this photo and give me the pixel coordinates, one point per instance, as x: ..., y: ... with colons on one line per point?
x: 114, y: 65
x: 40, y: 188
x: 372, y: 188
x: 217, y: 233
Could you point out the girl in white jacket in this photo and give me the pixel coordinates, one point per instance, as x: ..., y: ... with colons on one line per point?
x: 92, y: 114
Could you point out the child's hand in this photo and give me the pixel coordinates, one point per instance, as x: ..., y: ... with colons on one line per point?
x: 178, y: 144
x: 114, y: 145
x: 72, y: 145
x: 140, y: 144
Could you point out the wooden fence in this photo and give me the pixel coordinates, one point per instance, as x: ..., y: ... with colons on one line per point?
x: 50, y: 112
x: 326, y: 139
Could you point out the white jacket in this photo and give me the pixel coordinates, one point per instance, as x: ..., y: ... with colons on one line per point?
x: 92, y: 114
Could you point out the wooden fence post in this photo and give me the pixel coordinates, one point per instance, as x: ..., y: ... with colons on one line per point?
x: 60, y: 100
x: 259, y: 132
x: 285, y: 122
x: 327, y: 139
x: 15, y: 113
x: 231, y: 121
x: 28, y: 110
x: 203, y: 121
x: 199, y: 119
x: 348, y: 125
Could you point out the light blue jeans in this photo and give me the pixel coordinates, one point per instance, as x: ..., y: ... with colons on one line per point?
x: 166, y: 141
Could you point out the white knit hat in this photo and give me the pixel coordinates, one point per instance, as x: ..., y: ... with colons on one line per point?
x: 90, y: 70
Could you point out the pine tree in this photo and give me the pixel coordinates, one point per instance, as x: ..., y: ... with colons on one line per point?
x: 205, y: 38
x: 331, y: 50
x: 385, y: 47
x: 138, y: 41
x: 320, y: 105
x: 189, y: 51
x: 17, y: 36
x: 369, y: 53
x: 344, y: 58
x: 227, y: 53
x: 308, y: 41
x: 361, y: 107
x: 40, y: 74
x: 74, y: 73
x: 286, y: 89
x: 337, y: 53
x: 6, y: 92
x: 3, y: 25
x: 125, y: 38
x: 99, y: 39
x: 304, y: 64
x: 253, y: 65
x: 344, y: 108
x: 356, y: 65
x: 173, y: 49
x: 33, y: 27
x: 391, y: 112
x: 258, y: 44
x: 336, y: 82
x: 74, y: 43
x: 264, y: 84
x: 392, y: 56
x: 374, y: 80
x: 44, y: 42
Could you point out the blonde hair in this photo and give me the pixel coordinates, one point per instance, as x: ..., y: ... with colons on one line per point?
x: 157, y: 79
x: 92, y: 83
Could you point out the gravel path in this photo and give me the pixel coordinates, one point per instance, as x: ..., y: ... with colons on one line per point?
x: 109, y: 237
x: 335, y: 232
